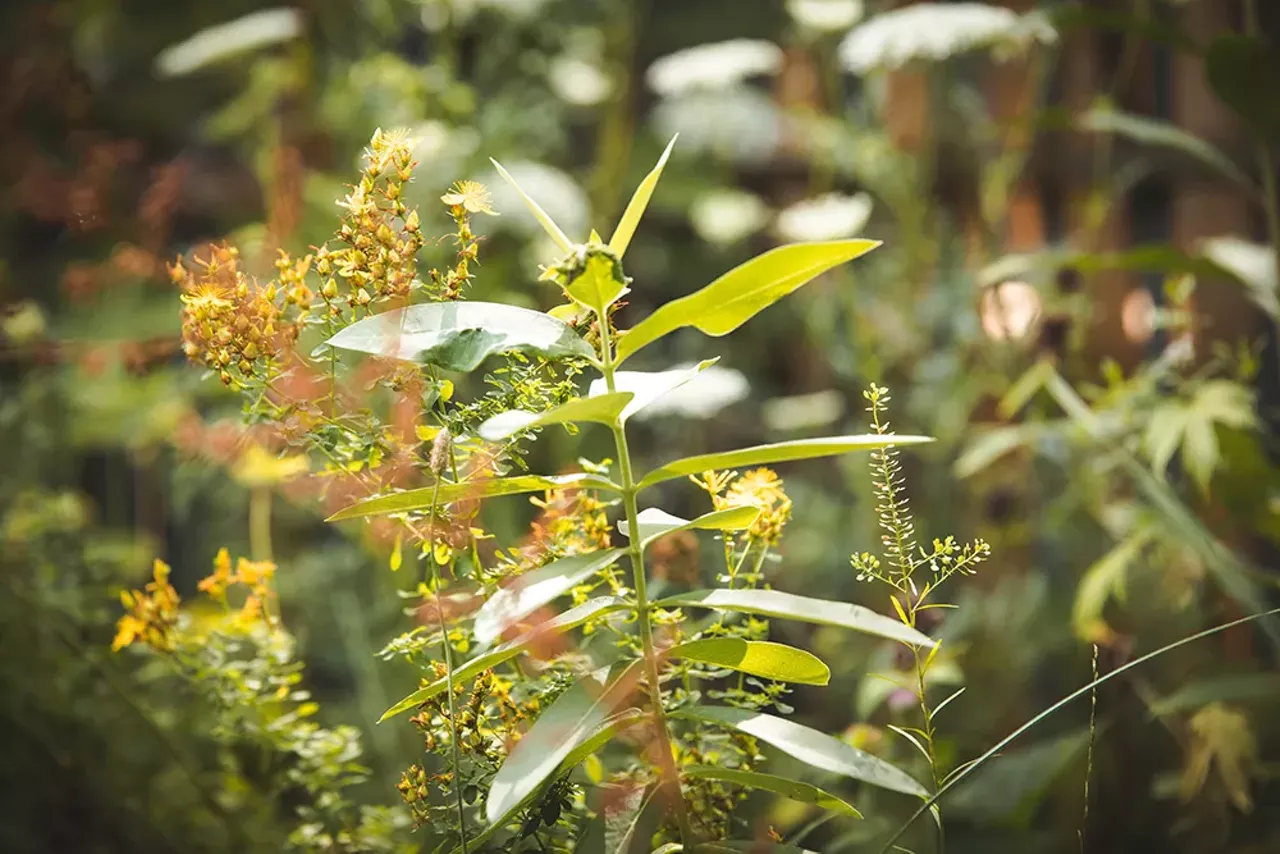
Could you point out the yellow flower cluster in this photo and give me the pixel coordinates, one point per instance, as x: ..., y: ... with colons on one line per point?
x: 464, y: 198
x: 152, y: 613
x: 254, y: 575
x: 760, y: 488
x: 228, y: 323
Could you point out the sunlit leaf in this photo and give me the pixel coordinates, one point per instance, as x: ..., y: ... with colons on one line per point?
x: 570, y: 619
x: 530, y: 591
x: 759, y: 658
x: 747, y: 846
x: 233, y: 38
x: 416, y: 500
x: 784, y: 786
x: 639, y: 202
x: 602, y: 409
x: 459, y: 335
x: 599, y: 284
x: 779, y: 452
x: 646, y: 387
x: 738, y: 295
x: 809, y: 746
x: 564, y: 725
x: 775, y: 603
x: 548, y: 225
x: 655, y: 523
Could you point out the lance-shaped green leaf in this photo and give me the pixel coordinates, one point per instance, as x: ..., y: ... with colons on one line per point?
x: 1165, y: 135
x: 784, y: 786
x: 459, y: 335
x: 602, y: 409
x: 529, y: 592
x: 809, y: 746
x: 778, y: 452
x: 759, y: 658
x: 570, y: 619
x: 600, y: 283
x: 647, y: 386
x: 654, y: 523
x: 639, y: 202
x: 416, y: 500
x: 543, y: 218
x: 566, y: 724
x: 775, y: 603
x: 734, y: 298
x: 585, y: 748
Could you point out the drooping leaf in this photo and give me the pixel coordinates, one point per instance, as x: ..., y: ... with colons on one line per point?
x: 647, y: 386
x: 738, y: 295
x: 1154, y: 132
x: 414, y: 500
x: 775, y: 603
x: 458, y: 336
x: 548, y: 225
x: 655, y: 523
x: 602, y: 409
x: 759, y: 658
x: 1252, y: 264
x: 605, y: 733
x: 1105, y: 577
x: 779, y: 452
x: 788, y: 788
x: 570, y: 619
x: 639, y: 202
x: 809, y: 746
x: 531, y: 591
x: 565, y: 724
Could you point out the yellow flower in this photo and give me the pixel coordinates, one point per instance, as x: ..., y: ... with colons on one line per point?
x: 258, y: 467
x: 760, y: 488
x: 254, y: 573
x: 216, y: 584
x: 128, y: 629
x: 472, y: 196
x: 152, y: 615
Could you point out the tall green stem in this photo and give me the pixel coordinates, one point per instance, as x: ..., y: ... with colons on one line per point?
x: 666, y: 760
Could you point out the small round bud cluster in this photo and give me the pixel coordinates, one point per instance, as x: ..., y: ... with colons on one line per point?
x: 229, y: 324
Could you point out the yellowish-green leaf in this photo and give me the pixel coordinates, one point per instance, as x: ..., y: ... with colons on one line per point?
x: 759, y: 658
x: 544, y: 219
x: 738, y: 295
x: 1104, y: 578
x: 809, y: 746
x: 655, y: 523
x: 417, y: 500
x: 779, y: 452
x: 639, y: 202
x: 602, y: 409
x: 647, y: 386
x: 775, y: 603
x: 570, y: 619
x: 529, y: 592
x: 600, y: 283
x: 784, y: 786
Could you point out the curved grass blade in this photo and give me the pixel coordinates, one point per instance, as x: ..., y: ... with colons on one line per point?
x: 570, y: 619
x: 532, y: 590
x: 748, y: 846
x: 778, y: 452
x: 809, y: 746
x: 429, y: 497
x: 738, y: 295
x: 639, y: 202
x: 784, y: 786
x: 1074, y: 695
x: 775, y: 603
x: 759, y: 658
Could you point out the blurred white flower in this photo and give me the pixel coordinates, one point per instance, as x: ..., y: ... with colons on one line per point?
x: 741, y: 125
x: 710, y: 391
x: 936, y: 31
x: 436, y: 14
x: 713, y: 66
x: 825, y: 16
x: 578, y: 82
x: 724, y: 217
x: 833, y: 216
x: 557, y: 193
x: 802, y: 411
x: 1251, y: 263
x: 213, y: 44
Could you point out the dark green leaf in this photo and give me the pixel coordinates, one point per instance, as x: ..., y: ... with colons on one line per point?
x: 775, y: 603
x: 779, y: 452
x: 809, y: 746
x: 415, y: 500
x: 1154, y: 132
x: 759, y: 658
x: 788, y: 788
x: 458, y: 336
x: 734, y: 298
x: 1243, y: 688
